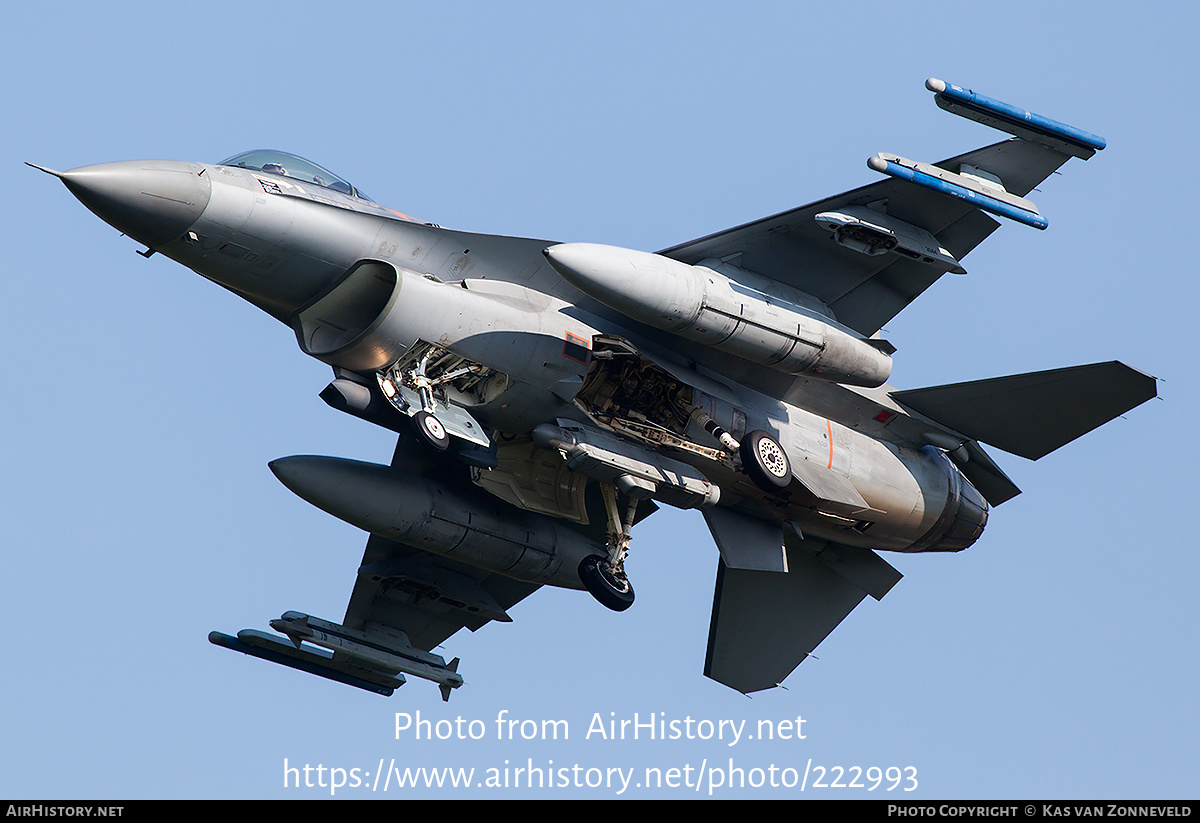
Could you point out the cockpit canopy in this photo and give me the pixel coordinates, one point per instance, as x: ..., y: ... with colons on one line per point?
x: 282, y: 164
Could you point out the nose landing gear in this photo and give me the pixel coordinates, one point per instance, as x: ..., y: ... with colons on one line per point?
x: 430, y: 431
x: 434, y: 387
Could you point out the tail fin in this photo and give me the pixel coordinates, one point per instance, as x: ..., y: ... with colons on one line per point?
x: 1033, y: 414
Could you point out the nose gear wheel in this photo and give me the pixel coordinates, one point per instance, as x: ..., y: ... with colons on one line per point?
x: 430, y: 431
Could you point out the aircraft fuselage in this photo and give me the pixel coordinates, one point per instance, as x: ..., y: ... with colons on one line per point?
x: 361, y: 286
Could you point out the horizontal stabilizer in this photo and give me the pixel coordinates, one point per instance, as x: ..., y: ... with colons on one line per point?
x: 1033, y: 414
x: 862, y: 567
x: 764, y: 624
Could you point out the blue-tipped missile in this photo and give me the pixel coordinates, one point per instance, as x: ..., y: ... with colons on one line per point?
x: 1013, y: 119
x: 959, y: 186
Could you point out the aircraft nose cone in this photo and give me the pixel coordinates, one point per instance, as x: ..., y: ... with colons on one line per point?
x: 153, y: 201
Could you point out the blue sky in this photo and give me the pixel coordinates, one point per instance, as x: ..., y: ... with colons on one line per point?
x: 1055, y: 658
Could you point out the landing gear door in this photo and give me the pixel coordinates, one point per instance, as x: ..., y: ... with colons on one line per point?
x: 457, y: 421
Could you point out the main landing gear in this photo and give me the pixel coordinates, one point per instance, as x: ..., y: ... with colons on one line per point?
x: 604, y: 577
x: 611, y: 587
x: 765, y: 461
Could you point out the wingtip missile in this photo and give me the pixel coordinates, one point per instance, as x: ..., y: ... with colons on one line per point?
x: 1014, y: 120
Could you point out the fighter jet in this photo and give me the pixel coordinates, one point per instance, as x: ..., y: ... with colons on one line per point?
x: 549, y: 396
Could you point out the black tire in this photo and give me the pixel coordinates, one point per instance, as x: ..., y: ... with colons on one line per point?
x: 611, y: 592
x: 430, y: 431
x: 766, y: 462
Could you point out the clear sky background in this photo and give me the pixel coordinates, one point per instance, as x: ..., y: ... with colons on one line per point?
x: 1057, y: 658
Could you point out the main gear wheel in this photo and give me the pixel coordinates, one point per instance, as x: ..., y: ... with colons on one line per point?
x: 765, y: 461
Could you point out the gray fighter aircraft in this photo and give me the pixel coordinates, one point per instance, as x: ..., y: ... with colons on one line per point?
x: 549, y: 396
